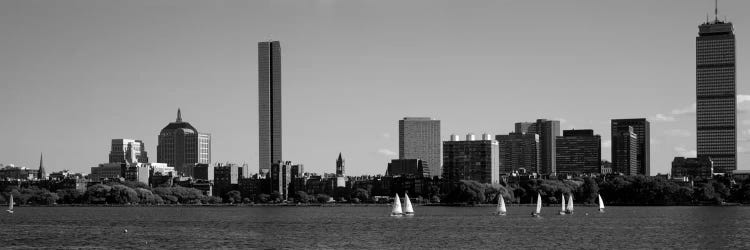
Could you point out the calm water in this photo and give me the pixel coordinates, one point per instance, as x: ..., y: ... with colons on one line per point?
x: 370, y: 227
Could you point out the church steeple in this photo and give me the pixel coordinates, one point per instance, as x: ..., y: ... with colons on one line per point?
x: 41, y: 174
x: 340, y: 166
x: 179, y: 115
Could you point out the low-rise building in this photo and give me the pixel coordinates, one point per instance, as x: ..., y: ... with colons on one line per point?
x: 702, y: 167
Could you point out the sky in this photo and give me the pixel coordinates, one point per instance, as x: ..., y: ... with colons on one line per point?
x: 75, y: 74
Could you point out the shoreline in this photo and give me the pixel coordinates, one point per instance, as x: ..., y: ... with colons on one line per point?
x: 375, y: 205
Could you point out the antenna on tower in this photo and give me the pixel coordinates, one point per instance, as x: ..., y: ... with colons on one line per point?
x: 716, y: 10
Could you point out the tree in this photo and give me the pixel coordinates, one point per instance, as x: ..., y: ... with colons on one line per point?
x: 322, y: 198
x: 122, y: 194
x: 276, y: 196
x: 262, y: 198
x: 589, y: 190
x: 234, y: 196
x: 70, y: 196
x: 97, y: 194
x: 301, y: 196
x: 362, y: 194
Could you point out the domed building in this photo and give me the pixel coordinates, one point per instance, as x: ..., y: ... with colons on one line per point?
x: 181, y: 146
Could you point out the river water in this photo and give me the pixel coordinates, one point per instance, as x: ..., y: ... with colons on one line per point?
x: 348, y: 227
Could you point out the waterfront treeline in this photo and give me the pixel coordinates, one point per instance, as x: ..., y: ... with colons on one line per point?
x: 616, y: 190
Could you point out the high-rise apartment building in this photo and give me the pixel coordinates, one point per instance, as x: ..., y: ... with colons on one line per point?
x: 518, y: 151
x: 716, y: 85
x: 181, y: 146
x: 579, y: 152
x: 269, y: 105
x: 548, y: 131
x: 625, y: 151
x: 419, y: 138
x: 471, y: 159
x: 642, y: 129
x: 128, y: 151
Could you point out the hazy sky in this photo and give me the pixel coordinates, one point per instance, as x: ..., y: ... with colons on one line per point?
x: 77, y: 73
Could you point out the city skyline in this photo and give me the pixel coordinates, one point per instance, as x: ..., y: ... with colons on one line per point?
x: 336, y: 102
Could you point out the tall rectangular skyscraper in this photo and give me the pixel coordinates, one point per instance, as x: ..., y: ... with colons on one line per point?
x: 642, y: 129
x: 548, y: 131
x: 269, y: 104
x: 419, y: 138
x: 715, y: 89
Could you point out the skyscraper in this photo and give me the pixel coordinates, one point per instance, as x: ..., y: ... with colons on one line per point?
x: 269, y: 105
x: 181, y: 146
x: 518, y: 151
x: 548, y: 131
x: 419, y: 138
x: 471, y: 159
x: 716, y: 110
x: 128, y: 151
x: 625, y: 150
x: 642, y: 129
x: 578, y: 152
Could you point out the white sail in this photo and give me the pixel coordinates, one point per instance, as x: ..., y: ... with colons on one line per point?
x: 397, y: 206
x: 570, y: 203
x: 539, y: 204
x: 10, y: 203
x: 601, y: 202
x: 408, y: 209
x: 501, y: 205
x: 562, y: 203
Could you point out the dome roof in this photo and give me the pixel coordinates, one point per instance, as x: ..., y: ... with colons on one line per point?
x: 179, y: 125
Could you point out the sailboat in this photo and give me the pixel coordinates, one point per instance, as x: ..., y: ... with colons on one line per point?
x: 562, y: 209
x: 408, y: 209
x: 501, y: 206
x: 601, y: 204
x: 396, y: 207
x: 538, y: 210
x: 10, y: 205
x: 569, y: 210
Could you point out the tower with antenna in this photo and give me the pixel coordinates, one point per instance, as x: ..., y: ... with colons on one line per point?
x: 716, y: 93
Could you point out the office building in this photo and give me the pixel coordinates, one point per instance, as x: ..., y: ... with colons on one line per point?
x: 625, y: 150
x: 642, y: 129
x: 419, y: 138
x: 579, y: 152
x: 692, y: 167
x: 128, y: 151
x: 269, y: 105
x: 519, y: 151
x: 471, y: 159
x: 408, y: 167
x: 181, y: 146
x: 716, y: 94
x: 281, y: 177
x: 548, y: 131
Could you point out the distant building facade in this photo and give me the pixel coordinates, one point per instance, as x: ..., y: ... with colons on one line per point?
x: 642, y: 130
x: 716, y: 94
x: 472, y: 159
x: 181, y: 146
x: 519, y: 151
x: 419, y: 138
x: 579, y: 152
x: 269, y: 105
x: 692, y: 167
x: 548, y: 131
x: 408, y: 167
x: 128, y: 151
x: 281, y: 177
x: 625, y: 151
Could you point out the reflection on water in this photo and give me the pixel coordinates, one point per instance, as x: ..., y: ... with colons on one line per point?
x: 371, y: 227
